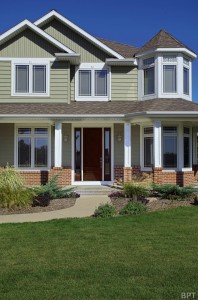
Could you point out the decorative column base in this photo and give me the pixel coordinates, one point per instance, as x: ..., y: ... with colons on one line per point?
x: 157, y: 175
x: 127, y: 174
x: 181, y: 178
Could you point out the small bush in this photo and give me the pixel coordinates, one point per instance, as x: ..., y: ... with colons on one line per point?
x: 135, y: 191
x: 41, y: 200
x: 12, y: 191
x: 105, y: 211
x: 133, y: 208
x: 52, y: 189
x: 173, y: 192
x: 116, y: 195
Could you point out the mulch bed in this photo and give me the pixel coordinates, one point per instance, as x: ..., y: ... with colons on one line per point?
x: 152, y: 204
x: 55, y: 204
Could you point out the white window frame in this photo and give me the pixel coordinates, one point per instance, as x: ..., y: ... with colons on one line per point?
x: 32, y: 136
x: 171, y: 63
x: 93, y: 67
x: 31, y: 62
x: 176, y: 134
x: 187, y: 66
x: 146, y: 67
x: 149, y: 135
x: 188, y: 135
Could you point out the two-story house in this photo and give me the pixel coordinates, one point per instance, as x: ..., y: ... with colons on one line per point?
x: 94, y: 110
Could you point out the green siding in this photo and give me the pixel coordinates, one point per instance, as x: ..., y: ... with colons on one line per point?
x: 66, y: 149
x: 6, y: 144
x: 28, y: 44
x: 71, y: 39
x: 118, y: 146
x: 135, y: 147
x: 124, y: 83
x: 59, y: 84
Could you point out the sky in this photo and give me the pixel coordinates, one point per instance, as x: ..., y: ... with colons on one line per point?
x: 127, y: 21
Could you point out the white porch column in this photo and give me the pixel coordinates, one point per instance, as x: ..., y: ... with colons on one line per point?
x: 127, y: 144
x: 58, y: 145
x: 157, y: 144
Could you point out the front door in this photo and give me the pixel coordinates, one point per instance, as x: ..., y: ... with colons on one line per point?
x: 92, y: 154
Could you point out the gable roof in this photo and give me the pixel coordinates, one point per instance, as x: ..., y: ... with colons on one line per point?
x: 126, y: 51
x: 27, y: 24
x: 54, y: 14
x: 163, y: 39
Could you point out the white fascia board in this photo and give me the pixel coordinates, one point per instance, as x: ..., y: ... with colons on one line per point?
x: 121, y: 62
x: 72, y: 58
x: 83, y: 33
x: 183, y: 50
x: 27, y: 24
x: 61, y: 116
x: 169, y: 114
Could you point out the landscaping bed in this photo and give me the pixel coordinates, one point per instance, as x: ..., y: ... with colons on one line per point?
x: 152, y: 204
x: 55, y: 204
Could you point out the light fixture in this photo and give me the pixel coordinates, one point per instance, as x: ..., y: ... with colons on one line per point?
x: 119, y: 138
x: 66, y: 138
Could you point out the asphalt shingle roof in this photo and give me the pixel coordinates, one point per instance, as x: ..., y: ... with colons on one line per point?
x: 98, y: 108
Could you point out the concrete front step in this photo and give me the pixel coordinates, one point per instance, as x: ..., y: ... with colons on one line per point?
x: 93, y: 190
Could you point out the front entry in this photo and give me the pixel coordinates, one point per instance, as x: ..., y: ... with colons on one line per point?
x: 92, y: 154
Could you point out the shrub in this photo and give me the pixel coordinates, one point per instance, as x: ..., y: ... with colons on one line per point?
x: 41, y: 200
x: 173, y: 192
x: 135, y: 191
x: 12, y: 191
x: 52, y: 189
x: 133, y: 208
x: 105, y: 211
x: 116, y: 195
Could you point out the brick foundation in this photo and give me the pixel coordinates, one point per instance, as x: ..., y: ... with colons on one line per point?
x: 42, y: 177
x: 179, y: 177
x: 157, y: 176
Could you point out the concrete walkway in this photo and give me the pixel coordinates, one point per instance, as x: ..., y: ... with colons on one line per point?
x: 84, y: 207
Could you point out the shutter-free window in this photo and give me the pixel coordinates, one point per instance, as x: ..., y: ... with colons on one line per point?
x: 101, y: 83
x: 22, y: 79
x: 169, y: 82
x: 39, y: 79
x: 84, y: 83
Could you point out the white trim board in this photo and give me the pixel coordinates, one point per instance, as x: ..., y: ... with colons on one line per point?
x: 93, y: 40
x: 27, y: 24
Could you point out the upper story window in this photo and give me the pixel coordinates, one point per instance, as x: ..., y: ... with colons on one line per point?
x: 92, y: 82
x: 149, y: 76
x: 186, y: 66
x: 30, y: 79
x: 169, y: 73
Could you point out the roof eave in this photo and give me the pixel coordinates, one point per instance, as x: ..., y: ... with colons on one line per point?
x: 121, y: 62
x: 157, y: 50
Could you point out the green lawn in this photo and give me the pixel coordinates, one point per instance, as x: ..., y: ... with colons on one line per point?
x: 153, y: 256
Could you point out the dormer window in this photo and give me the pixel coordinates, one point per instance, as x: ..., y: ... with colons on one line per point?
x: 169, y: 74
x: 149, y: 76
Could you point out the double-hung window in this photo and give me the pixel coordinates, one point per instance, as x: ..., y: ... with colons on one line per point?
x: 169, y: 74
x: 30, y: 79
x: 148, y: 147
x: 186, y: 131
x: 149, y: 75
x: 92, y: 82
x: 186, y: 67
x: 32, y: 145
x: 170, y: 147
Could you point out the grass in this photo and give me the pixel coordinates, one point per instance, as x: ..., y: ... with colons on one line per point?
x: 152, y: 256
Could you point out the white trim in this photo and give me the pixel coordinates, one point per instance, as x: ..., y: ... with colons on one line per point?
x: 30, y: 62
x: 93, y: 67
x: 83, y: 33
x: 157, y: 139
x: 22, y: 59
x: 80, y: 183
x: 58, y: 145
x: 121, y: 62
x: 184, y: 50
x: 27, y: 24
x: 32, y: 126
x: 127, y: 144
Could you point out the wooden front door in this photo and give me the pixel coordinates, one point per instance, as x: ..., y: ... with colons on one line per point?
x: 92, y: 154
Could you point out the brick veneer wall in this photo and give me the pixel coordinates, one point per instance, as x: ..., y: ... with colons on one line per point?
x: 179, y: 177
x: 41, y: 177
x: 118, y: 173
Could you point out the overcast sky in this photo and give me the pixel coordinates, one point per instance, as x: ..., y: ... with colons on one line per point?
x: 127, y: 21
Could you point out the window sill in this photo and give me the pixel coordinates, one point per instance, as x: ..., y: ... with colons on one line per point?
x: 31, y: 95
x: 92, y: 99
